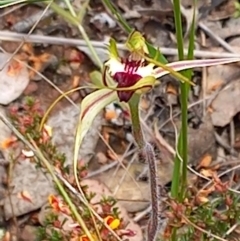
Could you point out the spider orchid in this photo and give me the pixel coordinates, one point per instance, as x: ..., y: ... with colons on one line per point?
x: 130, y: 77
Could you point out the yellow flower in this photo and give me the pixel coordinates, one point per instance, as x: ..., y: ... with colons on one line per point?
x: 112, y: 222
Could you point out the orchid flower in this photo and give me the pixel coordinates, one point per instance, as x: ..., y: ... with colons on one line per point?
x: 130, y: 77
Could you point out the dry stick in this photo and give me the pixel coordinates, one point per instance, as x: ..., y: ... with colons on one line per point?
x: 211, y: 34
x: 111, y: 165
x: 124, y: 176
x: 142, y: 214
x: 34, y: 38
x: 12, y: 9
x: 220, y: 175
x: 230, y: 230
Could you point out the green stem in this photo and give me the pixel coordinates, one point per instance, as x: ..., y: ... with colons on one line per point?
x: 183, y: 138
x: 62, y: 191
x: 73, y: 19
x: 136, y: 124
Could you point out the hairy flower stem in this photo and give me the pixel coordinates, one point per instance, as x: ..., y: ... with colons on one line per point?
x: 153, y: 224
x: 148, y: 154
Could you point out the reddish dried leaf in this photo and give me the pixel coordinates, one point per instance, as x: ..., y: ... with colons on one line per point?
x: 206, y: 161
x: 25, y: 196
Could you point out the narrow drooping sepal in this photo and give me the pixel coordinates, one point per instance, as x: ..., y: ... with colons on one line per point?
x: 91, y: 106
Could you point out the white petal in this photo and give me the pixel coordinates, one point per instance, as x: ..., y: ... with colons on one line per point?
x: 146, y: 70
x: 114, y: 66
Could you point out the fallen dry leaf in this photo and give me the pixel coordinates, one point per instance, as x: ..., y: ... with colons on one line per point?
x: 48, y: 130
x: 25, y: 196
x: 207, y: 172
x: 205, y: 162
x: 201, y: 199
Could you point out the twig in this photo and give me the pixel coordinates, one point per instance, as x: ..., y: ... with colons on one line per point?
x: 142, y: 214
x: 12, y: 9
x: 222, y: 42
x: 102, y: 169
x: 34, y: 38
x: 230, y: 230
x: 224, y: 144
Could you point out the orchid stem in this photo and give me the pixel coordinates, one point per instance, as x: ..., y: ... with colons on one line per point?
x: 136, y: 124
x: 148, y: 152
